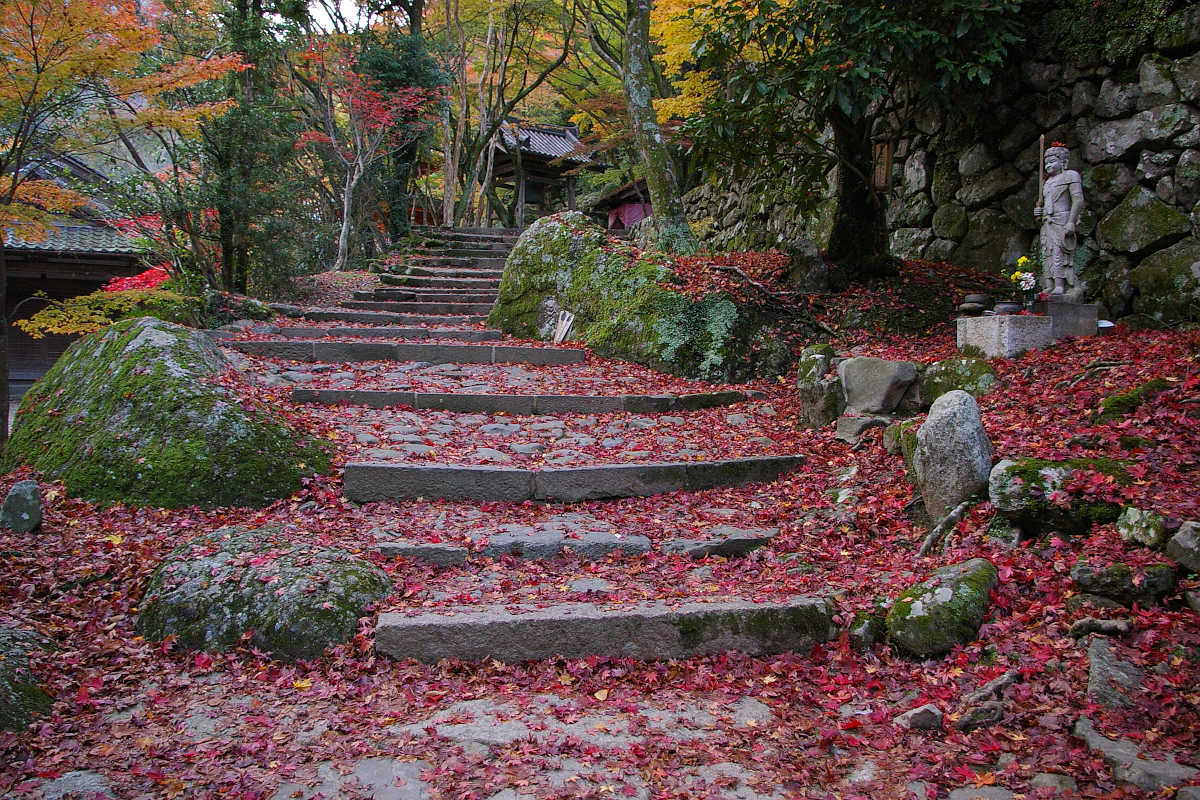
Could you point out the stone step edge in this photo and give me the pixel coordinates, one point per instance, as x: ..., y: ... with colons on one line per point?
x: 647, y: 631
x: 374, y: 481
x: 427, y: 309
x: 723, y: 541
x: 463, y: 334
x: 308, y: 350
x: 523, y: 404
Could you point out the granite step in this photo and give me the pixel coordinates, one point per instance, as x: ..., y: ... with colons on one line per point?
x: 446, y: 272
x: 440, y: 282
x: 425, y: 294
x: 426, y: 309
x: 392, y: 332
x: 490, y: 251
x: 374, y: 481
x: 464, y: 262
x: 649, y: 631
x: 521, y: 404
x: 368, y: 317
x: 350, y: 352
x: 581, y: 535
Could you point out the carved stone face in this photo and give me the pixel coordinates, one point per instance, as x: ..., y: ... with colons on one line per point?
x: 1055, y: 163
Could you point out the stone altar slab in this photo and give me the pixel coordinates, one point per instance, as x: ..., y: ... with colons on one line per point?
x: 1070, y: 319
x: 1005, y: 335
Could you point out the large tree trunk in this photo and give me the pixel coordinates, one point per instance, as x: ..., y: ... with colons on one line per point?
x: 343, y: 254
x: 670, y: 229
x: 858, y: 242
x: 4, y: 322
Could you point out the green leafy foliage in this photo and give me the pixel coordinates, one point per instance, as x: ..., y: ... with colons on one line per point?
x: 93, y: 312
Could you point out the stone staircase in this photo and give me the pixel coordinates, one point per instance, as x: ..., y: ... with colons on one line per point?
x: 452, y: 272
x: 429, y: 316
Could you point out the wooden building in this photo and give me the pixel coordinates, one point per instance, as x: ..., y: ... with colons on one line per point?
x: 538, y: 161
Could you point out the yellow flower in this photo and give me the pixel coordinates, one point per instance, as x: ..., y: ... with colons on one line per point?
x: 1022, y: 261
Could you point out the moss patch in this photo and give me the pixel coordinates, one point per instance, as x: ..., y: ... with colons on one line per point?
x: 20, y: 696
x: 622, y: 310
x: 131, y: 415
x: 1119, y: 406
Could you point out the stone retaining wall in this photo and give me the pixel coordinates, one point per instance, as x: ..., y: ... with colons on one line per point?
x: 964, y: 192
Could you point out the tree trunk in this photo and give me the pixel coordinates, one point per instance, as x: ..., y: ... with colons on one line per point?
x: 858, y: 242
x: 4, y: 322
x: 343, y: 254
x: 670, y: 229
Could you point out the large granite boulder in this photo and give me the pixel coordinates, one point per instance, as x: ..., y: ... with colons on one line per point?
x: 294, y: 599
x: 624, y: 306
x: 875, y: 385
x: 1030, y: 493
x: 953, y: 457
x: 822, y: 400
x: 20, y: 696
x: 944, y: 610
x: 133, y: 414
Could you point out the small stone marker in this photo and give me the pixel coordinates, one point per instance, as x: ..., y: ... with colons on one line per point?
x: 22, y: 508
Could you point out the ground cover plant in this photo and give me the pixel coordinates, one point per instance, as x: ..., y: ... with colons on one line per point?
x: 158, y: 720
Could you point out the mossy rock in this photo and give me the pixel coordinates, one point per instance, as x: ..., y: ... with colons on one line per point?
x: 868, y: 628
x: 942, y: 611
x: 294, y: 599
x: 132, y: 414
x: 822, y: 400
x: 1124, y: 584
x: 1118, y: 406
x: 974, y: 376
x: 624, y: 309
x: 20, y: 696
x: 1167, y: 283
x: 1021, y: 490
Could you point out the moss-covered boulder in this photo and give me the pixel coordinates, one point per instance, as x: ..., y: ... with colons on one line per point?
x: 1121, y: 405
x: 974, y: 376
x: 623, y: 307
x: 295, y: 600
x: 1031, y: 493
x: 1167, y: 283
x: 944, y: 610
x: 822, y: 400
x: 133, y: 414
x: 1144, y: 585
x: 20, y: 696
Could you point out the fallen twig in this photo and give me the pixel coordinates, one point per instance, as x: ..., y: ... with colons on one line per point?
x: 1088, y: 371
x: 943, y: 527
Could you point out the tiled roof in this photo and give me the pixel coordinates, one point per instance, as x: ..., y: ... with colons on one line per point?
x: 550, y: 141
x: 77, y: 239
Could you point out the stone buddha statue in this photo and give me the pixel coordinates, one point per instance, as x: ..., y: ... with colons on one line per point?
x: 1058, y: 209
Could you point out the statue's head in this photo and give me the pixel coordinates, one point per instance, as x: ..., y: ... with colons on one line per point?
x: 1057, y: 159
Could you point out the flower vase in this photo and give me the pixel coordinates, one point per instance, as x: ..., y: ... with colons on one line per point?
x: 1027, y: 298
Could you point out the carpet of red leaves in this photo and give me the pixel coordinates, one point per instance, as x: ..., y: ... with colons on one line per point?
x: 129, y: 708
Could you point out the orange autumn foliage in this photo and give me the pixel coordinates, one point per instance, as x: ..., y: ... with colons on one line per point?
x: 75, y: 74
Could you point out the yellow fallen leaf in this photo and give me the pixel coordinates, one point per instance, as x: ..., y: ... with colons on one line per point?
x: 302, y: 683
x: 601, y: 695
x: 115, y: 539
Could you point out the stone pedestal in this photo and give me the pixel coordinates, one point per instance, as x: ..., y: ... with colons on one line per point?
x: 1005, y: 335
x: 1069, y: 319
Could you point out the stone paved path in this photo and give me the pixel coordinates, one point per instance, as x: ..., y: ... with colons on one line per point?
x: 388, y: 375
